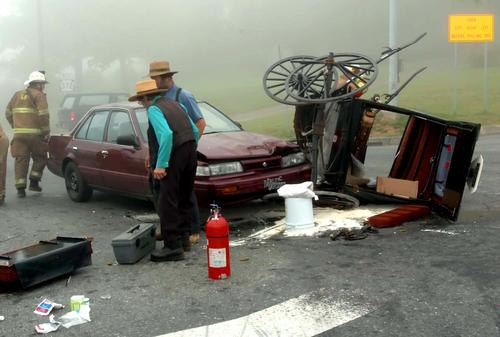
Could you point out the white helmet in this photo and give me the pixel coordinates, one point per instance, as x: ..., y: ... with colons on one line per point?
x: 36, y: 76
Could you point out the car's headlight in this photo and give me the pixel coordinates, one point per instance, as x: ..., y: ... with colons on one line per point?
x: 202, y: 171
x: 219, y: 169
x: 293, y: 159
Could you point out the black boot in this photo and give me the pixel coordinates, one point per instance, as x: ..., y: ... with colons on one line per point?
x: 21, y: 193
x: 34, y: 186
x: 172, y: 251
x: 186, y: 243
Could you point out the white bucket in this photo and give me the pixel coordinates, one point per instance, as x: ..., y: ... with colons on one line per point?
x: 299, y: 213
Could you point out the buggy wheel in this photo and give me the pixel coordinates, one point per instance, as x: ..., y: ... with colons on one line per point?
x: 356, y: 71
x: 277, y: 75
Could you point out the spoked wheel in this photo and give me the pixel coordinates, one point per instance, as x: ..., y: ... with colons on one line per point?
x: 277, y: 75
x: 356, y: 72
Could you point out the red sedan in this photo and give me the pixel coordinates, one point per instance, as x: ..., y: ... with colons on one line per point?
x: 107, y: 150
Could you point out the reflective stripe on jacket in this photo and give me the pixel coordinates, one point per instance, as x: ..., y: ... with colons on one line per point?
x: 27, y: 112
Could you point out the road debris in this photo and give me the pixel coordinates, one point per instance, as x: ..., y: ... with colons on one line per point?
x: 352, y: 234
x: 398, y: 216
x: 439, y: 231
x: 46, y: 306
x: 326, y: 221
x: 31, y: 265
x: 76, y: 301
x: 45, y: 328
x: 244, y: 258
x: 80, y: 313
x: 150, y: 217
x: 106, y: 297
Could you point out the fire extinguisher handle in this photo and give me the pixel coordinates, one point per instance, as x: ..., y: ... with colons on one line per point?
x: 214, y: 209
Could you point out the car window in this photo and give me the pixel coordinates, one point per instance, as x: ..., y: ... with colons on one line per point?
x: 216, y: 120
x: 142, y: 119
x: 119, y: 125
x: 68, y: 102
x: 82, y: 133
x: 96, y: 127
x: 92, y: 100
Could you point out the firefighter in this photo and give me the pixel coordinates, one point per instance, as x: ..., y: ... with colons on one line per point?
x: 28, y: 115
x: 4, y: 148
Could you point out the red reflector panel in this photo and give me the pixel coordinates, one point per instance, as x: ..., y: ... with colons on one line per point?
x: 229, y: 190
x: 399, y: 215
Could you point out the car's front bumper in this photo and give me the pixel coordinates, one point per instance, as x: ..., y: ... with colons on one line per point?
x: 246, y: 186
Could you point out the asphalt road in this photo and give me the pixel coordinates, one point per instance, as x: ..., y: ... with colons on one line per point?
x: 404, y: 281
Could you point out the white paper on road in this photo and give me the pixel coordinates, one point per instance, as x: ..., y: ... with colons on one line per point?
x: 46, y: 328
x: 305, y: 316
x: 73, y: 318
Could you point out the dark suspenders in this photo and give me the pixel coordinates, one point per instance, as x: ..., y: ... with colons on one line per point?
x: 177, y: 94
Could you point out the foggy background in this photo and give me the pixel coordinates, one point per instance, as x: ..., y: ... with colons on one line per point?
x: 221, y: 48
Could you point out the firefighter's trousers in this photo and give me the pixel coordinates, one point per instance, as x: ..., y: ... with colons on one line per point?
x: 22, y: 148
x: 4, y: 148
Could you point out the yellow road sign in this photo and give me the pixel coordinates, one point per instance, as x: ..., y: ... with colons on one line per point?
x: 471, y: 27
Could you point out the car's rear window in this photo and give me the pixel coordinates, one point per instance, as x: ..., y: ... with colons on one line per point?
x: 68, y: 102
x: 93, y: 100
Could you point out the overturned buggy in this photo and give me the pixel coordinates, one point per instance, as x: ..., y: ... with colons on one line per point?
x: 333, y: 124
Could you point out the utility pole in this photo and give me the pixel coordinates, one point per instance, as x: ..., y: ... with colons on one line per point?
x: 393, y: 60
x: 41, y: 48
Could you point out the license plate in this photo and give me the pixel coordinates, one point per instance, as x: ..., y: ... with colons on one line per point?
x: 272, y: 184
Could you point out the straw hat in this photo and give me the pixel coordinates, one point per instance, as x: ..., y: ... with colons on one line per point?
x: 157, y: 68
x: 145, y: 88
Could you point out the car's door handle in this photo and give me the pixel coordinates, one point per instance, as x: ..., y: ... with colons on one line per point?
x: 104, y: 153
x: 75, y: 148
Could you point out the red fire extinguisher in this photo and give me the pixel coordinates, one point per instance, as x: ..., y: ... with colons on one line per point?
x: 217, y: 230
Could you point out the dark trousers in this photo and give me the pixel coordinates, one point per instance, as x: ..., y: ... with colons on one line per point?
x: 174, y: 200
x: 22, y: 148
x: 195, y: 214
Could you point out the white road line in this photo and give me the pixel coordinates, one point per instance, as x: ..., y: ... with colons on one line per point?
x: 305, y: 316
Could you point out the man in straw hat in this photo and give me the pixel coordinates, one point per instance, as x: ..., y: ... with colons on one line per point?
x: 28, y: 115
x: 172, y: 138
x: 160, y: 72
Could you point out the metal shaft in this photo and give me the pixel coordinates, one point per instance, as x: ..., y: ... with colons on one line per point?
x: 393, y: 60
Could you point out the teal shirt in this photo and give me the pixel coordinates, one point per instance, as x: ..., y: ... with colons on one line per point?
x: 164, y: 134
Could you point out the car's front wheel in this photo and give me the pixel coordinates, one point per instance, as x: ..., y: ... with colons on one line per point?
x: 77, y: 188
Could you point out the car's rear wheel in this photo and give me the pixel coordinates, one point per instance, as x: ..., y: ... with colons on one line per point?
x: 77, y: 188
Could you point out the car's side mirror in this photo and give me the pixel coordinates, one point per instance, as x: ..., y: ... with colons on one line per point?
x: 128, y: 140
x: 239, y: 124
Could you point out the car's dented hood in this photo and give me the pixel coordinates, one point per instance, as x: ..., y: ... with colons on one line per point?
x: 241, y: 144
